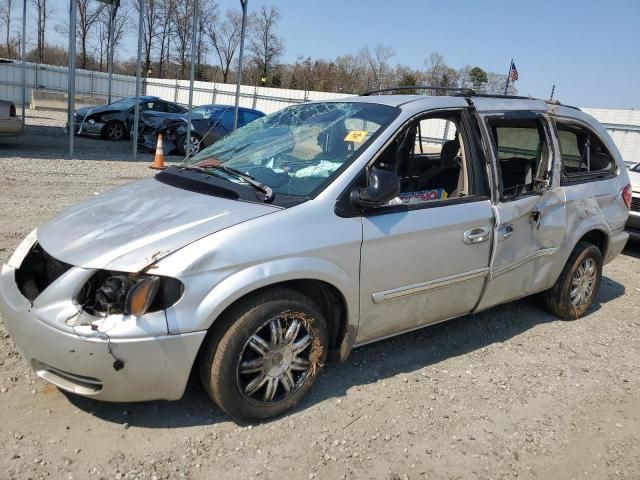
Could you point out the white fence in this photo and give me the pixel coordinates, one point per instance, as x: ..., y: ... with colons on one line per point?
x: 623, y: 125
x: 93, y: 83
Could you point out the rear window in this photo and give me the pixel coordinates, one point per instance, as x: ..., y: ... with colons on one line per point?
x: 583, y: 154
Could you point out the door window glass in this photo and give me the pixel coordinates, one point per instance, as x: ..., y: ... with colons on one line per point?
x: 522, y: 154
x: 430, y: 160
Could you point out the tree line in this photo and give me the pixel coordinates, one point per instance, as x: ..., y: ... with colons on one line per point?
x: 167, y: 34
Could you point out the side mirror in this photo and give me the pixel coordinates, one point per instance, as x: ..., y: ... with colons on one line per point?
x: 382, y: 186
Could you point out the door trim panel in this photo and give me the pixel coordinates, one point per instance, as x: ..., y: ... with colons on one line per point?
x: 394, y: 293
x: 544, y: 252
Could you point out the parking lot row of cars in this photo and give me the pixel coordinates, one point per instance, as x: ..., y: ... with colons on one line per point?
x: 115, y: 121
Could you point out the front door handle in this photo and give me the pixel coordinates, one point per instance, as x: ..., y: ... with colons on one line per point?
x: 477, y: 235
x: 506, y: 231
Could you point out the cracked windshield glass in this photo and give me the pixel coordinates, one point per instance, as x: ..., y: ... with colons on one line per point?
x: 298, y: 150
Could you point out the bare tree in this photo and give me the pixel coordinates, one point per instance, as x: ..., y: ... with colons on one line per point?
x: 88, y: 15
x: 378, y: 61
x: 438, y: 74
x: 121, y: 25
x: 183, y: 22
x: 224, y: 37
x: 153, y: 19
x: 166, y: 13
x: 6, y: 11
x: 44, y: 11
x: 265, y: 46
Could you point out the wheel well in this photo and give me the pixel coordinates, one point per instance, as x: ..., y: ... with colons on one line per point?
x: 597, y: 238
x: 327, y: 298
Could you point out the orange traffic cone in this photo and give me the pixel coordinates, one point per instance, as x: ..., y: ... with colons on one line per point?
x: 158, y: 161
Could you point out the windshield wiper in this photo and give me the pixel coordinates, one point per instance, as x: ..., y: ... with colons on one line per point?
x: 268, y: 191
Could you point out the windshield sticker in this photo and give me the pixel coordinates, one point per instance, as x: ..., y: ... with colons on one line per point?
x: 356, y: 136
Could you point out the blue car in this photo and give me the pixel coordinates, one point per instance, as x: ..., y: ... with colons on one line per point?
x: 209, y: 124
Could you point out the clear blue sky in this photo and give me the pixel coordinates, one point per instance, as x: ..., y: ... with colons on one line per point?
x: 590, y: 49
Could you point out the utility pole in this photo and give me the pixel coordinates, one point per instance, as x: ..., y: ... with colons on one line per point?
x: 71, y: 87
x: 24, y: 59
x: 136, y: 111
x: 194, y: 36
x: 239, y: 76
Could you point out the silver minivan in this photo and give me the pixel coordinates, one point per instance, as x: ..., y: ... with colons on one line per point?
x: 314, y: 230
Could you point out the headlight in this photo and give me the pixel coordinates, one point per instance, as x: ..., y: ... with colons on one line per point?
x: 133, y: 294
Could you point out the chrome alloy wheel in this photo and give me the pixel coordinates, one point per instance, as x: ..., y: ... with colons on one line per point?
x: 583, y: 282
x: 195, y: 145
x: 275, y: 360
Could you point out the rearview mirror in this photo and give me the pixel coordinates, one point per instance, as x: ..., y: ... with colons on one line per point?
x: 382, y: 186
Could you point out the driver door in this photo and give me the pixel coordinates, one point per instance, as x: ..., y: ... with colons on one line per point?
x: 424, y: 257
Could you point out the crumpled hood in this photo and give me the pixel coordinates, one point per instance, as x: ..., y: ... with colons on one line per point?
x: 133, y: 226
x: 104, y: 109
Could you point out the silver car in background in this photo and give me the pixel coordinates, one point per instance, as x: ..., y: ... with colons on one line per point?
x: 10, y: 124
x: 311, y: 231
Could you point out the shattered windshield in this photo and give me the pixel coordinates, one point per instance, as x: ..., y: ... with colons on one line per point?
x: 299, y: 149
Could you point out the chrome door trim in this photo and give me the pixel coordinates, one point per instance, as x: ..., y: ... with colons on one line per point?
x: 392, y: 294
x: 545, y: 252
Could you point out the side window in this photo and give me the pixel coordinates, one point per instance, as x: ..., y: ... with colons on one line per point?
x: 522, y: 154
x: 429, y: 158
x: 583, y: 153
x: 226, y: 120
x: 173, y: 108
x: 248, y: 117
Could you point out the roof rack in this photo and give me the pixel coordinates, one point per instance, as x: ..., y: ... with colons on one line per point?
x: 463, y: 91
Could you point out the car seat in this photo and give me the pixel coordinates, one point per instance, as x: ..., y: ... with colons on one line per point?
x: 447, y: 174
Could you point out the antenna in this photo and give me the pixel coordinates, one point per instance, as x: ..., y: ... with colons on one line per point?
x: 552, y: 92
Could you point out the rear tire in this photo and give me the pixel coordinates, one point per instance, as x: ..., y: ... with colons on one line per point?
x: 267, y: 356
x: 577, y: 286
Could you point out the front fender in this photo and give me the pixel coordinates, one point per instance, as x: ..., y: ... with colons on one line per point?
x: 250, y: 279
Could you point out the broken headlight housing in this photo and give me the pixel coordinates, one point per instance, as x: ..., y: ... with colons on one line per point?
x: 109, y: 292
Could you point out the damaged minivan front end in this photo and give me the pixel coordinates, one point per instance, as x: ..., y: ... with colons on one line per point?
x: 84, y: 304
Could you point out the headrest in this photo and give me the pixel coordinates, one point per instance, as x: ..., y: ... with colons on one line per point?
x: 449, y: 151
x: 600, y: 161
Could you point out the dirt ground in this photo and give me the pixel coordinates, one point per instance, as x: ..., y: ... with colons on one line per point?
x: 511, y: 392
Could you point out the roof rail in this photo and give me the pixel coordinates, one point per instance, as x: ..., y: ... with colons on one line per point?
x: 497, y: 95
x: 463, y: 91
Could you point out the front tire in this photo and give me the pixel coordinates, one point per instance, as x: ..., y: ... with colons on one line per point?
x: 576, y: 288
x: 114, y: 130
x: 273, y: 348
x: 196, y: 144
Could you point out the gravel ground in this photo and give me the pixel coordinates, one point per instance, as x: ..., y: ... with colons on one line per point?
x: 511, y: 392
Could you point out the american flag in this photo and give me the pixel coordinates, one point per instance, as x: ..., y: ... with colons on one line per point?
x: 513, y: 71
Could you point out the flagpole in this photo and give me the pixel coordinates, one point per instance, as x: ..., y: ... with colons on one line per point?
x: 506, y: 87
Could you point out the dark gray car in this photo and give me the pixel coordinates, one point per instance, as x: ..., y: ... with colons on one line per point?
x: 114, y: 121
